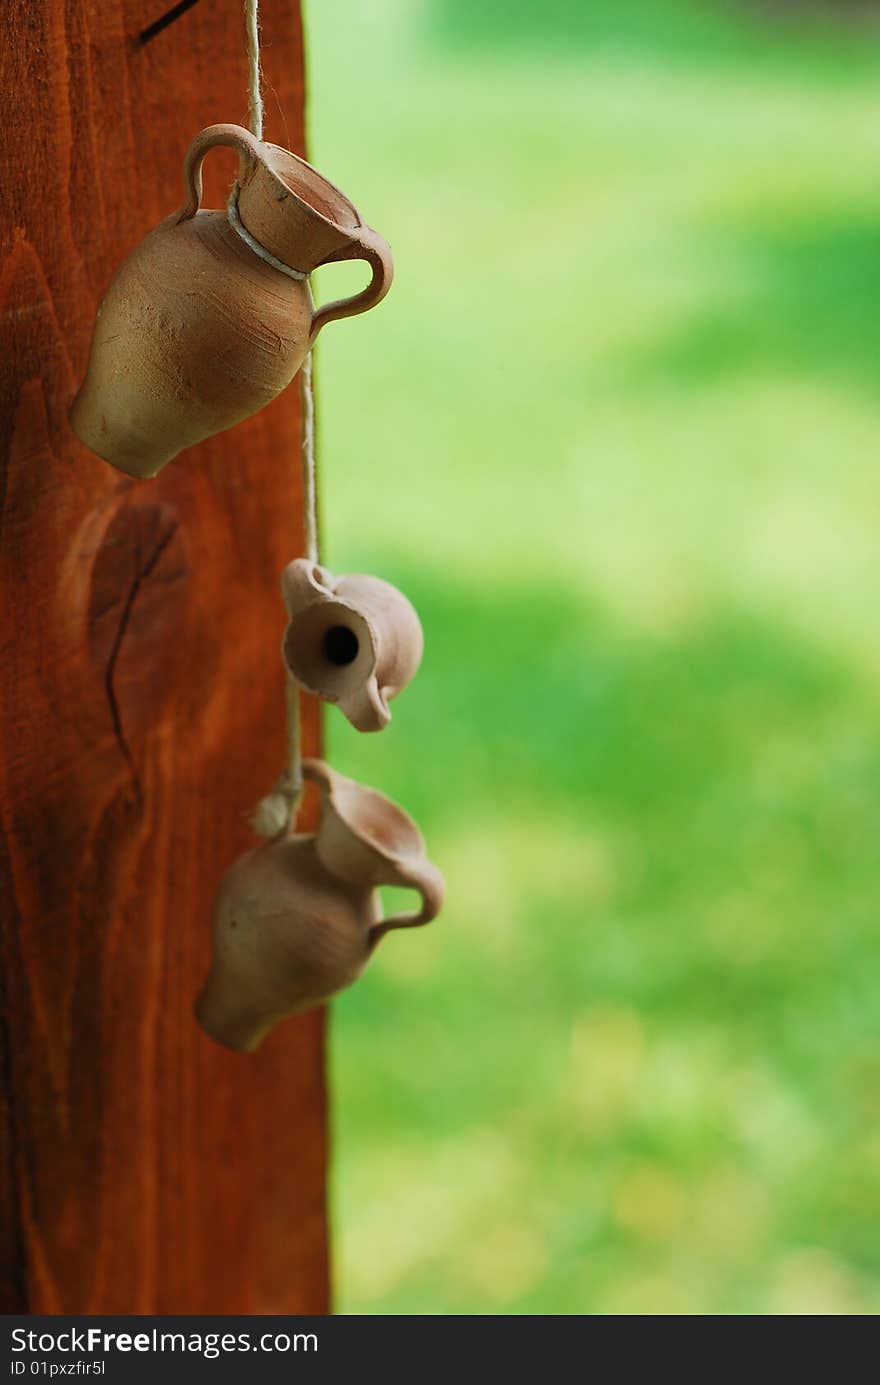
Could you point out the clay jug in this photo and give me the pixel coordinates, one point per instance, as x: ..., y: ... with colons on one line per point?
x: 211, y: 316
x: 296, y: 920
x: 353, y: 640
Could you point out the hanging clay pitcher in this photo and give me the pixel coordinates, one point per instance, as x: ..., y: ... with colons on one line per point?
x: 353, y: 640
x: 297, y: 919
x: 211, y: 316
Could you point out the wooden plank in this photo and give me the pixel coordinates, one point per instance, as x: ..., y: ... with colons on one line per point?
x: 143, y: 1169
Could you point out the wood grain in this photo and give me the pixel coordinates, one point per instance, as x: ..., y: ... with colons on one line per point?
x: 142, y: 1169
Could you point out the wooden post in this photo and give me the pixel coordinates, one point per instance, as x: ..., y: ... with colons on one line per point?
x: 142, y: 1168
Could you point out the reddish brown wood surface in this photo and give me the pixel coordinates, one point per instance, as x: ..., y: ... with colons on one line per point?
x: 143, y: 1168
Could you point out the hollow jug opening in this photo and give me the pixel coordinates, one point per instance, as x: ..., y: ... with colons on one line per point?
x: 329, y: 649
x: 340, y: 645
x: 312, y: 188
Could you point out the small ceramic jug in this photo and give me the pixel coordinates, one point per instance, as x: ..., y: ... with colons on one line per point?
x: 353, y: 640
x: 211, y: 316
x: 297, y: 919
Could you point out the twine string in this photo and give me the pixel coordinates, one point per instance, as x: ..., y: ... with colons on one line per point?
x: 279, y: 808
x: 308, y: 457
x: 239, y: 227
x: 255, y: 94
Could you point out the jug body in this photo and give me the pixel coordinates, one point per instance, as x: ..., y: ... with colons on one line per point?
x: 286, y: 936
x: 195, y: 333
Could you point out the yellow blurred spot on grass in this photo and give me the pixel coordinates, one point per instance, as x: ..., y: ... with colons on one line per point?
x: 648, y: 1202
x: 607, y: 1060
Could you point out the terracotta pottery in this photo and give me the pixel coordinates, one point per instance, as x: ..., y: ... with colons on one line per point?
x: 297, y: 919
x: 198, y: 330
x: 353, y: 640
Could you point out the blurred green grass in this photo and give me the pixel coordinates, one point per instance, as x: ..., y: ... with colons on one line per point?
x: 615, y: 433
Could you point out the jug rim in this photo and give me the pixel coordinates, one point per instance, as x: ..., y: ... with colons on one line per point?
x: 333, y: 196
x: 403, y: 841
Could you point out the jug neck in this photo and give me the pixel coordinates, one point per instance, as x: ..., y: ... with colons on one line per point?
x: 357, y: 860
x: 292, y: 211
x: 363, y: 837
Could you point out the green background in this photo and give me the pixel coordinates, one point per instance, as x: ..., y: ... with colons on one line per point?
x: 615, y: 432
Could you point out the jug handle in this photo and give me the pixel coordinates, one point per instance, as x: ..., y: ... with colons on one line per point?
x: 233, y: 136
x: 425, y: 878
x: 369, y: 246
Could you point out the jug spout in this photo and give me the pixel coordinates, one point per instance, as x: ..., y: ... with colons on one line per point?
x: 293, y: 210
x: 365, y: 839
